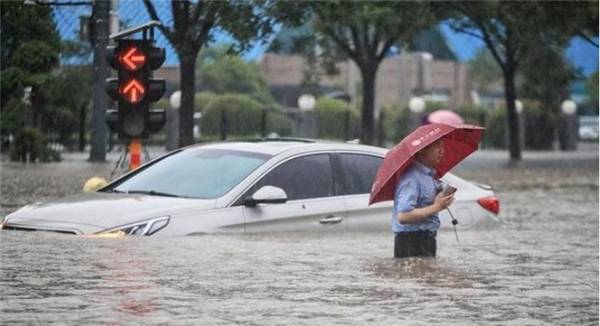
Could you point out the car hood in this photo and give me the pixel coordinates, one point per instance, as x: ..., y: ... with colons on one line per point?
x: 95, y: 212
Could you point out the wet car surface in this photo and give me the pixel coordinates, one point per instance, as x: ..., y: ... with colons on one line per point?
x: 244, y: 187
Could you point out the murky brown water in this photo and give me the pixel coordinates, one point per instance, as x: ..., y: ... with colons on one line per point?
x: 540, y: 267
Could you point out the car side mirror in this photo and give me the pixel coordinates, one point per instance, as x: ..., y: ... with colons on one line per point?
x: 267, y: 195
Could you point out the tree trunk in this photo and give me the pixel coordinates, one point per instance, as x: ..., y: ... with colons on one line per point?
x: 514, y: 128
x: 186, y: 111
x: 368, y: 106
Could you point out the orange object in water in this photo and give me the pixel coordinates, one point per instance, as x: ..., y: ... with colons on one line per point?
x: 135, y: 153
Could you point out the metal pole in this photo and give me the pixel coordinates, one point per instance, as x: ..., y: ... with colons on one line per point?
x: 101, y: 17
x: 135, y: 153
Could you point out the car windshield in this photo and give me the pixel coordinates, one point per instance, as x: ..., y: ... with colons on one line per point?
x: 196, y: 173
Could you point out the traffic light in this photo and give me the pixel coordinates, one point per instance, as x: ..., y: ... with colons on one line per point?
x: 135, y: 89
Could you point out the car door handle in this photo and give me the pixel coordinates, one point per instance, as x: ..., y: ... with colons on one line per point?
x: 331, y: 220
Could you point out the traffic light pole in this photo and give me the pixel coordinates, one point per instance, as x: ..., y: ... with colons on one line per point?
x: 135, y: 89
x: 135, y: 153
x: 101, y: 15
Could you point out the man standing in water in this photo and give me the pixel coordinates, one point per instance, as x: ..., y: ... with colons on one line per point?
x: 417, y: 201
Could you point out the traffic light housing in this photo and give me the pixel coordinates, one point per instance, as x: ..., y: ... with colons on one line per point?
x: 135, y: 89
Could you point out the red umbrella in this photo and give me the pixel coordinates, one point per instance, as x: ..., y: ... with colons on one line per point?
x: 459, y: 142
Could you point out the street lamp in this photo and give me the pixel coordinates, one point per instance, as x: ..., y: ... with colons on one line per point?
x: 173, y: 121
x: 175, y: 100
x: 568, y: 107
x: 307, y: 123
x: 519, y: 106
x: 306, y: 102
x: 416, y: 105
x: 568, y: 130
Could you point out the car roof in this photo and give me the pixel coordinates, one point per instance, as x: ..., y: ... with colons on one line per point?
x: 276, y: 147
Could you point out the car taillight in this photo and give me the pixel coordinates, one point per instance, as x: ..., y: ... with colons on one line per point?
x: 491, y: 203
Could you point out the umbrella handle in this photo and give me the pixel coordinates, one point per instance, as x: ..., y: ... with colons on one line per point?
x: 454, y: 222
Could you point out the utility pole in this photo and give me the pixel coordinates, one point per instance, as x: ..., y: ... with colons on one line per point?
x: 100, y: 21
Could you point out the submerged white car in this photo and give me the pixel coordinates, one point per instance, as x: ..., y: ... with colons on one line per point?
x: 265, y: 186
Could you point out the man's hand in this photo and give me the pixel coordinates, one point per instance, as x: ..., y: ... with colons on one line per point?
x: 442, y: 202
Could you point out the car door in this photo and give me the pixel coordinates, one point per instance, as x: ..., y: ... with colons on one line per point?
x: 357, y: 172
x: 312, y: 203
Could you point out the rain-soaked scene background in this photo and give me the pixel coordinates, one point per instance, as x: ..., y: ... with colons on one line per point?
x: 539, y: 267
x: 361, y: 71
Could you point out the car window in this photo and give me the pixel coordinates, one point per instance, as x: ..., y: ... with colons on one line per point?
x: 304, y: 177
x: 198, y: 173
x: 358, y: 172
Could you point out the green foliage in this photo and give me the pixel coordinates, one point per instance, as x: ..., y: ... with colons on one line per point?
x: 473, y: 114
x: 431, y: 106
x: 31, y: 142
x: 279, y: 123
x: 332, y: 116
x: 62, y: 99
x: 12, y: 117
x: 539, y: 127
x: 356, y: 30
x: 496, y: 129
x: 21, y: 23
x: 11, y: 84
x: 163, y: 104
x: 243, y: 117
x: 484, y: 72
x: 35, y: 57
x: 29, y: 52
x: 193, y: 25
x: 540, y: 124
x: 547, y: 86
x: 396, y: 123
x: 202, y: 100
x: 231, y: 74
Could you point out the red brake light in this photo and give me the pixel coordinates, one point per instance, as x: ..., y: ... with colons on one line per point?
x: 491, y: 203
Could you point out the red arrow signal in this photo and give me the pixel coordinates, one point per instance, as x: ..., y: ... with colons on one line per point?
x: 133, y: 91
x: 132, y: 58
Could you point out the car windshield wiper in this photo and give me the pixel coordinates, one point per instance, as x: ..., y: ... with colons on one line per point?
x: 152, y: 193
x: 113, y: 190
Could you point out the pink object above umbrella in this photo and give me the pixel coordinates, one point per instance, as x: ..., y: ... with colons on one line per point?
x: 445, y: 116
x: 459, y: 142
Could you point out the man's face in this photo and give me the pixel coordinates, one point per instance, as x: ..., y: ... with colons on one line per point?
x: 432, y: 154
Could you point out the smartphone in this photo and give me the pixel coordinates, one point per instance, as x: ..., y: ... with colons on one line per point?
x: 448, y: 190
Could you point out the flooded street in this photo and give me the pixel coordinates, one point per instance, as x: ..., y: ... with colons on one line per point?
x: 540, y: 267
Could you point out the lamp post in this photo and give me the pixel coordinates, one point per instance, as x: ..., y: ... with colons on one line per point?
x: 567, y: 128
x: 307, y: 121
x: 416, y: 105
x: 521, y: 122
x: 173, y: 121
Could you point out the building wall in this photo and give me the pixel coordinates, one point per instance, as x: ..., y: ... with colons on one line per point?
x: 398, y: 78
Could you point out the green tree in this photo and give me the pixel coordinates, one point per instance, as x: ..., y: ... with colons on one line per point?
x: 549, y: 87
x: 67, y: 102
x: 29, y: 52
x: 361, y: 31
x: 191, y: 30
x: 23, y: 23
x: 511, y: 31
x: 484, y: 72
x: 220, y: 73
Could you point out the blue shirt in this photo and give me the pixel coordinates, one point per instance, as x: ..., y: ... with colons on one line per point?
x: 417, y: 188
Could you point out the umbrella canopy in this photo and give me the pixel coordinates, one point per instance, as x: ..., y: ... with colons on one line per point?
x: 445, y: 116
x: 459, y: 142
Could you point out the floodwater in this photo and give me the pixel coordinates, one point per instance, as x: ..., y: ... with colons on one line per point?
x: 539, y: 268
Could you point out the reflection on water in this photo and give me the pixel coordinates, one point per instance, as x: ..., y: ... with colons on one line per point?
x: 540, y: 267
